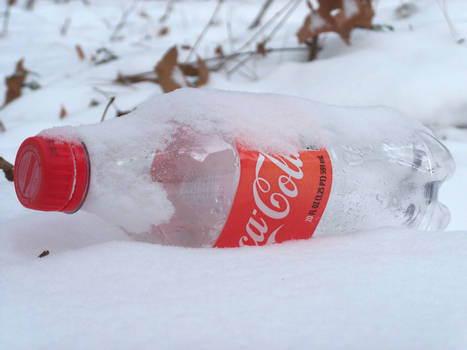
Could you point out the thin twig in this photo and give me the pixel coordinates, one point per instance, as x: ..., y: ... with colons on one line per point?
x: 44, y: 253
x: 112, y: 99
x: 7, y: 168
x: 2, y: 126
x: 241, y: 63
x: 65, y: 26
x: 313, y: 48
x: 168, y: 11
x: 6, y: 20
x: 102, y: 92
x: 228, y: 28
x: 282, y: 21
x: 269, y: 37
x: 205, y: 29
x: 30, y: 4
x: 150, y: 74
x: 123, y: 19
x: 261, y: 14
x: 258, y: 33
x: 118, y: 111
x: 454, y: 33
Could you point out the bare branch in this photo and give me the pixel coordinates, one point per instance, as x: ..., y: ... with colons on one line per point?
x: 168, y: 11
x: 313, y: 48
x: 123, y: 19
x: 261, y: 14
x: 205, y: 29
x: 263, y: 50
x: 65, y: 26
x: 30, y: 4
x: 7, y: 168
x: 282, y: 21
x: 6, y: 20
x: 151, y: 76
x: 112, y: 99
x: 258, y: 33
x: 454, y: 33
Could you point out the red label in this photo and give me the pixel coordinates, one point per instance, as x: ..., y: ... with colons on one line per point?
x: 279, y: 198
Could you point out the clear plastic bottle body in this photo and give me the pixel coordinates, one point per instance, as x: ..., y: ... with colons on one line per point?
x: 200, y: 176
x: 168, y: 187
x: 391, y: 185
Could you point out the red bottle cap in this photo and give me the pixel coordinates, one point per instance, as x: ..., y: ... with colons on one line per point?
x: 51, y: 174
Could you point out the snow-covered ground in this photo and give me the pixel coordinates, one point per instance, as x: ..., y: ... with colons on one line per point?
x: 383, y: 289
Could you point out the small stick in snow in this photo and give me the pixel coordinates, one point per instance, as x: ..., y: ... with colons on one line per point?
x: 110, y: 96
x: 149, y: 75
x: 65, y: 26
x: 112, y: 99
x: 63, y: 112
x: 123, y: 20
x: 454, y: 33
x: 80, y: 52
x: 44, y: 253
x: 30, y: 4
x: 168, y: 11
x: 7, y: 168
x: 205, y: 29
x: 6, y: 18
x: 2, y: 126
x: 313, y: 48
x: 261, y: 14
x: 255, y: 35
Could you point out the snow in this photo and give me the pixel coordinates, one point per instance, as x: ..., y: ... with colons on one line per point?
x: 360, y: 290
x: 380, y: 289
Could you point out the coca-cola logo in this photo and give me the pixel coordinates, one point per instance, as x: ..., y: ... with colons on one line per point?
x: 279, y: 197
x: 271, y: 205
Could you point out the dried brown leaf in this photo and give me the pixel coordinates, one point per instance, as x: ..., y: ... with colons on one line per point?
x: 327, y: 6
x: 362, y: 19
x: 80, y: 52
x: 15, y: 82
x: 308, y: 31
x: 199, y: 70
x: 189, y: 70
x: 163, y: 31
x: 261, y: 48
x: 165, y: 69
x: 219, y: 51
x: 63, y: 112
x: 331, y: 17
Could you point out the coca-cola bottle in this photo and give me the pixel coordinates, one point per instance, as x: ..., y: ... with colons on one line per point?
x: 179, y: 172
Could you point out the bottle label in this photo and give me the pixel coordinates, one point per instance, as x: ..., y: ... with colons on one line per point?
x: 278, y: 198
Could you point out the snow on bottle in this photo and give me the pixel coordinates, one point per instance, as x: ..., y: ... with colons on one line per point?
x: 204, y: 168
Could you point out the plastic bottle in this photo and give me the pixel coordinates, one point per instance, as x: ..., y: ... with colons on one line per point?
x: 202, y: 183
